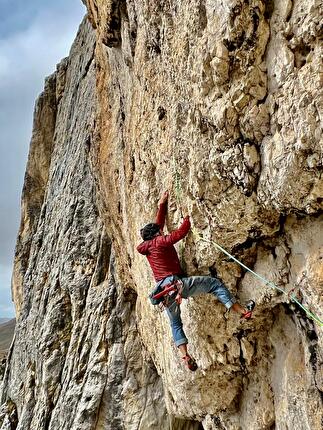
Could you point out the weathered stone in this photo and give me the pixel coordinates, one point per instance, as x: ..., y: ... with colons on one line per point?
x: 74, y: 322
x: 192, y: 96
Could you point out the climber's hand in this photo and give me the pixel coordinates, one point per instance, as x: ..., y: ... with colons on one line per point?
x: 164, y: 198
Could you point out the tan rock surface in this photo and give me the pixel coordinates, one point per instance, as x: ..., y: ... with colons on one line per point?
x: 219, y: 102
x: 76, y: 338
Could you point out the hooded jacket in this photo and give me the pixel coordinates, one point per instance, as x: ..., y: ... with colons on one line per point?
x: 160, y: 251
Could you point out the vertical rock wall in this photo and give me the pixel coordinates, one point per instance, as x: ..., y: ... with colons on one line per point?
x: 218, y: 101
x: 77, y: 361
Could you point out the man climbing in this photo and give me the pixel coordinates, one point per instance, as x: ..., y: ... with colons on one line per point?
x: 163, y: 259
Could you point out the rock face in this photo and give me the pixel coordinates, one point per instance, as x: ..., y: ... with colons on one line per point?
x: 219, y: 102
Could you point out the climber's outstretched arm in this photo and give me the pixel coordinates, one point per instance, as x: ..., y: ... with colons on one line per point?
x: 178, y: 234
x: 162, y: 210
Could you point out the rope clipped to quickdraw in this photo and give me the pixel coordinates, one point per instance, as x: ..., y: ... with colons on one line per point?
x: 310, y: 314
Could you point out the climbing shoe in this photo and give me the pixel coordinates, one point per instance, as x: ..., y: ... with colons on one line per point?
x: 190, y: 363
x: 250, y: 307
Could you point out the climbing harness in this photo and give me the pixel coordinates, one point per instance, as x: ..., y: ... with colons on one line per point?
x: 165, y: 295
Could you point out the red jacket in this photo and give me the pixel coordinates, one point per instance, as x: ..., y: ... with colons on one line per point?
x: 160, y: 250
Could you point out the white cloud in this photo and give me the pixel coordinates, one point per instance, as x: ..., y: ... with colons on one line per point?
x: 28, y: 56
x: 4, y: 65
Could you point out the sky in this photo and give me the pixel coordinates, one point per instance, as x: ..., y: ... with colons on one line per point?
x: 34, y: 36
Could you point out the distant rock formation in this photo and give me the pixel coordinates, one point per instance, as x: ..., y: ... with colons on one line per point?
x: 7, y: 329
x: 219, y: 102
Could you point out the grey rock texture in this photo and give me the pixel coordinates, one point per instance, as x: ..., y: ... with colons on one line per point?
x: 76, y: 337
x: 219, y: 102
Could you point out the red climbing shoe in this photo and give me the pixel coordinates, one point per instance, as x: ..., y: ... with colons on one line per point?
x: 250, y: 307
x: 190, y: 362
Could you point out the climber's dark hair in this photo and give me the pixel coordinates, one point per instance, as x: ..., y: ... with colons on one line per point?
x: 149, y: 231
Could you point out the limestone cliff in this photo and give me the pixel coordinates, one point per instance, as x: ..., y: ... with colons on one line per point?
x: 220, y: 102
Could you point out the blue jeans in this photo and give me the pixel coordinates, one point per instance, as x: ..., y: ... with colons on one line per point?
x: 192, y: 286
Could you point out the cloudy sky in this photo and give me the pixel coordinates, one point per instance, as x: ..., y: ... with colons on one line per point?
x: 34, y: 36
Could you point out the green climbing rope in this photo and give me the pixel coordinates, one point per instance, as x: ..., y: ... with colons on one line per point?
x: 269, y: 283
x: 178, y: 193
x: 310, y: 314
x: 177, y: 183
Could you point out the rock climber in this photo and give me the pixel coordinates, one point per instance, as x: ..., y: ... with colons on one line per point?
x: 164, y: 262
